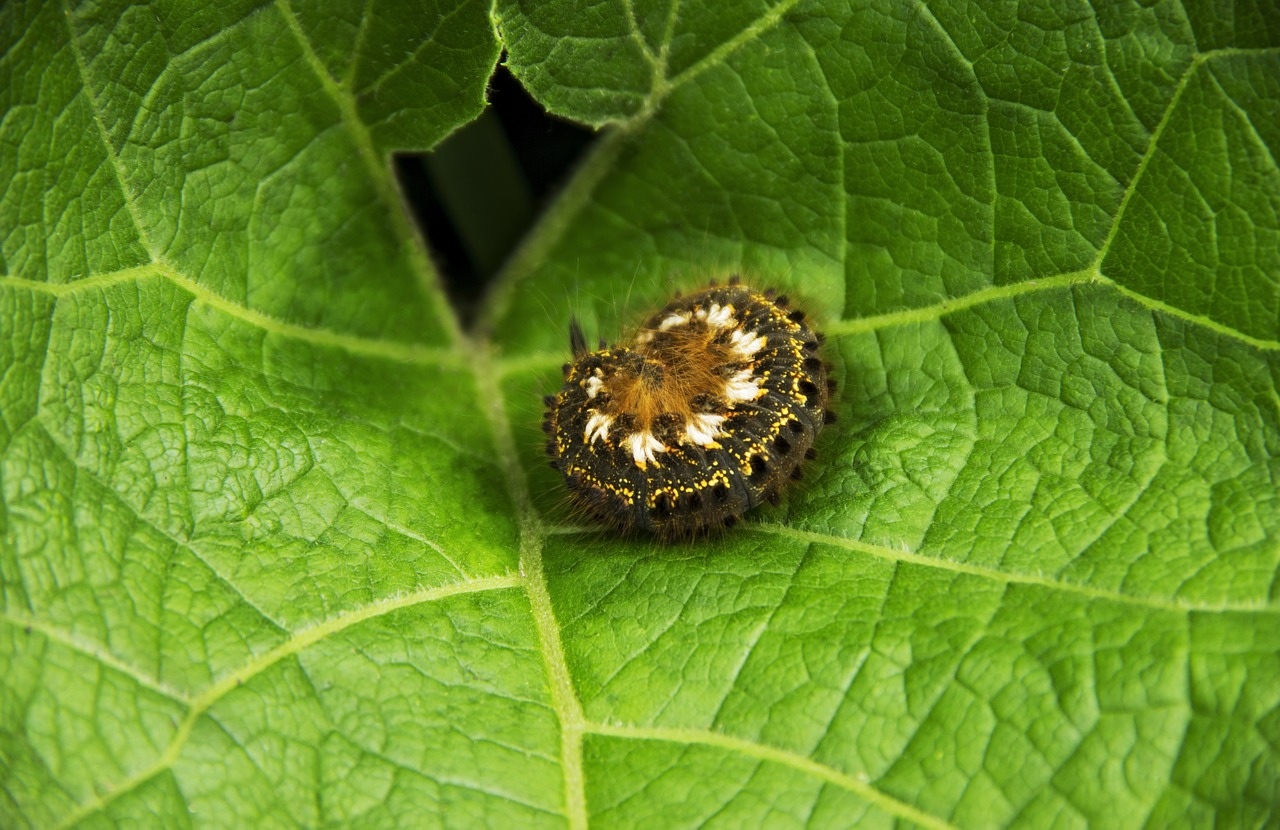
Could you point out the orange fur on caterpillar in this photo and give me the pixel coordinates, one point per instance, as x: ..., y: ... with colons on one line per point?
x: 709, y: 411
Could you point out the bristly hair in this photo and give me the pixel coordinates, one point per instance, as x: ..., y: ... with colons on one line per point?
x: 577, y: 340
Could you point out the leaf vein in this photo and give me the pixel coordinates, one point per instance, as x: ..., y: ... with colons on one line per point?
x: 1141, y: 169
x: 1243, y: 116
x: 564, y: 699
x: 378, y: 170
x: 112, y: 156
x: 79, y: 644
x: 409, y: 353
x: 300, y: 640
x: 765, y: 752
x: 428, y: 39
x: 722, y: 52
x: 1008, y: 577
x: 753, y: 639
x: 186, y: 545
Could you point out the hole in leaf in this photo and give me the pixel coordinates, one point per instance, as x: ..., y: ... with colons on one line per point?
x: 477, y: 194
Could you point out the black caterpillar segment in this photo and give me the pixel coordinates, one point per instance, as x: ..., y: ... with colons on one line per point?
x: 709, y: 411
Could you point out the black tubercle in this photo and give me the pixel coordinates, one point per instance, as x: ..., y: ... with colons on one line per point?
x: 577, y: 340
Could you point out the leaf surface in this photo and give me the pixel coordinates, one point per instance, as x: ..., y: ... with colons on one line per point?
x: 279, y: 545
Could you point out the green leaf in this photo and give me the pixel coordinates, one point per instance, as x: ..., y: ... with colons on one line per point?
x: 279, y: 547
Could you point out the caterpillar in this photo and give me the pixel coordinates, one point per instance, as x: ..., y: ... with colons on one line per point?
x: 709, y: 411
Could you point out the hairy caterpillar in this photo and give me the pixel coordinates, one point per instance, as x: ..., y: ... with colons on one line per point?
x: 709, y: 411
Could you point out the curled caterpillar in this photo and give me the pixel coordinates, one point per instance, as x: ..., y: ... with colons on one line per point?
x: 709, y: 411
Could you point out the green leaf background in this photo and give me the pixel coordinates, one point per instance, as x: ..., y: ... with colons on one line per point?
x: 279, y: 548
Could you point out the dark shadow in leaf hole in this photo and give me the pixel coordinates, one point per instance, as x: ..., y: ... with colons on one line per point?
x: 481, y: 189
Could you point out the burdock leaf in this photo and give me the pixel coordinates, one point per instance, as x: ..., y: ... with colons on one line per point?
x: 279, y: 546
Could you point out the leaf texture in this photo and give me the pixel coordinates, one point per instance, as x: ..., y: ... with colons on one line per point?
x: 279, y: 546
